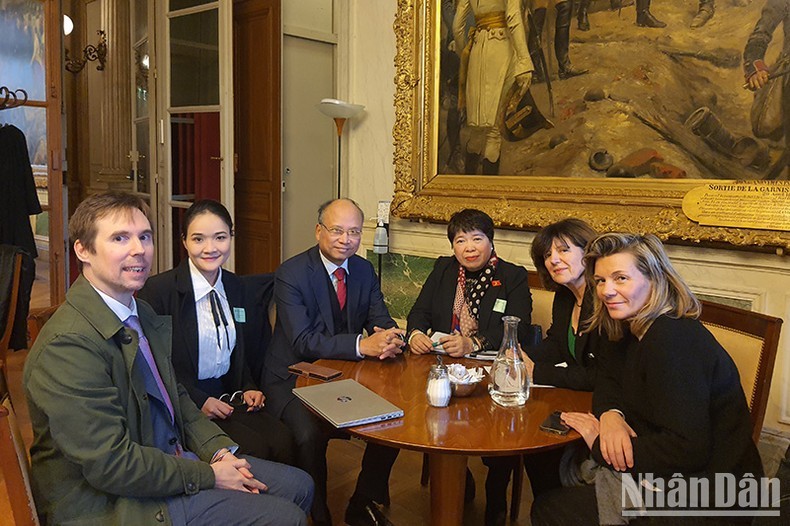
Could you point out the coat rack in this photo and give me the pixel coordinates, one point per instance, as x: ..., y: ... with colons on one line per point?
x: 12, y: 99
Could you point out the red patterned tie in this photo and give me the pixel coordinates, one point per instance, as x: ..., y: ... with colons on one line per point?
x: 340, y: 274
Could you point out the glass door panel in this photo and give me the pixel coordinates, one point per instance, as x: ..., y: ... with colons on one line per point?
x: 140, y: 24
x: 194, y: 59
x: 175, y: 5
x: 142, y: 66
x: 195, y: 156
x: 142, y: 171
x: 179, y: 252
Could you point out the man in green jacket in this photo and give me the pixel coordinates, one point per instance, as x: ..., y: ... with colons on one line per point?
x: 116, y: 439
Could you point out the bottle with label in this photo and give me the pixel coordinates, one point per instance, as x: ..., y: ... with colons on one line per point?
x: 509, y: 385
x: 380, y: 239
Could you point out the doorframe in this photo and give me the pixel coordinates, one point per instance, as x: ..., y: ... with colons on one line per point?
x: 54, y: 63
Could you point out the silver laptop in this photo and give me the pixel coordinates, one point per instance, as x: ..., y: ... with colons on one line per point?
x: 347, y: 403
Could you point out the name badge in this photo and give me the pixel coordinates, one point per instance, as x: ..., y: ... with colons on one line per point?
x: 239, y: 314
x: 500, y: 305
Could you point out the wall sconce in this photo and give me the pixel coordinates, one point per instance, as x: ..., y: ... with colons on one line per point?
x: 89, y: 54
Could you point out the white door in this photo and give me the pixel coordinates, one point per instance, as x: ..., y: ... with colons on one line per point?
x: 194, y: 127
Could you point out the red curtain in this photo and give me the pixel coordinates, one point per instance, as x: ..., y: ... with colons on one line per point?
x: 196, y: 152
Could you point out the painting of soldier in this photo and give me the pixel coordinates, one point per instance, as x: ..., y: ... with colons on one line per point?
x: 494, y: 55
x: 771, y: 107
x: 605, y: 88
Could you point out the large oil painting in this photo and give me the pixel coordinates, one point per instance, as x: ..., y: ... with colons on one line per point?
x: 609, y: 110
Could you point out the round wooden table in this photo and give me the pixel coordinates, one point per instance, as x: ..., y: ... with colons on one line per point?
x: 473, y: 425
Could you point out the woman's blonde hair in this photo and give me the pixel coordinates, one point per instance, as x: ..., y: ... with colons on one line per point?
x: 669, y: 294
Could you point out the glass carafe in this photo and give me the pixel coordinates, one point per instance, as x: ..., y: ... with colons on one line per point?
x: 509, y: 385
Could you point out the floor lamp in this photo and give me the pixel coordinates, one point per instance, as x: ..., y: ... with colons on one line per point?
x: 340, y: 111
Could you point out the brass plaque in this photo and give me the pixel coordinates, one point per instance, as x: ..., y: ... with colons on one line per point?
x: 742, y: 204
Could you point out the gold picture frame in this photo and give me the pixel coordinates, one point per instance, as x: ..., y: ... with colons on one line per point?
x: 519, y: 202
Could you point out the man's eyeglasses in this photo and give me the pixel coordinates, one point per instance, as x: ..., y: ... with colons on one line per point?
x: 353, y: 233
x: 236, y: 399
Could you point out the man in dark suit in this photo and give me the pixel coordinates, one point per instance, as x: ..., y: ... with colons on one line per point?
x: 116, y: 439
x: 326, y: 297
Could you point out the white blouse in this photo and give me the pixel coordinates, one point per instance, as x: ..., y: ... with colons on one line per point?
x: 216, y: 329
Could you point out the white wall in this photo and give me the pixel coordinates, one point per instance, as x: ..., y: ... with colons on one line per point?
x: 371, y: 73
x: 762, y: 279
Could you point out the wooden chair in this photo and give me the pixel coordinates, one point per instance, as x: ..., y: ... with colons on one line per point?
x: 14, y: 460
x: 36, y: 320
x: 751, y: 339
x: 14, y: 463
x: 542, y: 302
x: 5, y: 339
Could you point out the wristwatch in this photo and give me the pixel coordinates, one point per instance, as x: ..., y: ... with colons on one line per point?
x: 475, y: 345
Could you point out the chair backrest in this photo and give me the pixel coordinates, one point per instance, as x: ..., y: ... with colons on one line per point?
x: 15, y: 464
x: 751, y: 339
x: 258, y: 293
x: 10, y: 307
x: 37, y: 319
x: 542, y: 302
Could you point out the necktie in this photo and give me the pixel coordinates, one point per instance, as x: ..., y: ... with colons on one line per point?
x: 340, y: 274
x: 134, y: 323
x: 219, y: 318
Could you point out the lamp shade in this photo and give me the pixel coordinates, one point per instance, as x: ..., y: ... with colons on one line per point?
x: 338, y: 109
x: 68, y: 25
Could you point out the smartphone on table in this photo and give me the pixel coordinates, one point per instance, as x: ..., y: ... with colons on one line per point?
x: 554, y: 424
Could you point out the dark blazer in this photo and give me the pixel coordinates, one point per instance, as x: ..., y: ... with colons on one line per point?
x: 580, y: 372
x: 680, y: 391
x: 171, y: 293
x: 305, y: 329
x: 434, y: 306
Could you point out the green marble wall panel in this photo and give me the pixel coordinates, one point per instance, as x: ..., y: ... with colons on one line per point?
x: 402, y: 279
x: 404, y: 274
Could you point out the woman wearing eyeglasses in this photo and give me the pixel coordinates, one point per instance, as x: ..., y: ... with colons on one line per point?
x: 465, y: 297
x: 205, y: 302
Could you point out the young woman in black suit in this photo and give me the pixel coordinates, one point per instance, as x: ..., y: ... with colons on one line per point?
x: 465, y: 297
x: 205, y: 302
x: 668, y: 402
